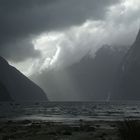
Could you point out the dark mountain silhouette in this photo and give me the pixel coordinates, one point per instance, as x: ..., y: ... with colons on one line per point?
x: 15, y: 85
x: 95, y: 76
x: 89, y: 79
x: 4, y: 94
x: 127, y: 85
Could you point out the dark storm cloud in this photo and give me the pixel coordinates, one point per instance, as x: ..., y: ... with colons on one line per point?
x: 20, y: 19
x: 19, y: 51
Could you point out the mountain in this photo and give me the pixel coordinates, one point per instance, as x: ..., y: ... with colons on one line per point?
x: 127, y: 85
x: 14, y: 85
x: 87, y: 80
x: 4, y: 94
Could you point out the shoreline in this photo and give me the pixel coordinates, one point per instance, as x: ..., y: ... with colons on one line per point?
x: 41, y: 130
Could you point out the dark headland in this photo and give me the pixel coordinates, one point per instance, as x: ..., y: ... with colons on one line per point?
x: 17, y: 87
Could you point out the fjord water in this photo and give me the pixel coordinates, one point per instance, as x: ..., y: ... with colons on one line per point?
x: 70, y: 111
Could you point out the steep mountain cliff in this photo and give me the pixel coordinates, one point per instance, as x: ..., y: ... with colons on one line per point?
x: 15, y: 84
x: 127, y: 85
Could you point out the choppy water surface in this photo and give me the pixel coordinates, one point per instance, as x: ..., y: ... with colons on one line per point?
x: 70, y: 111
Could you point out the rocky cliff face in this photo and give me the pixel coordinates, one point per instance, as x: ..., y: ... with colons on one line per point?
x: 15, y: 85
x: 128, y: 78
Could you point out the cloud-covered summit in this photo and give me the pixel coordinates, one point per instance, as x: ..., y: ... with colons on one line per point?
x: 37, y: 34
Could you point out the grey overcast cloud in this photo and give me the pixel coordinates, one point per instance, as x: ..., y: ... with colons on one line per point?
x: 37, y: 35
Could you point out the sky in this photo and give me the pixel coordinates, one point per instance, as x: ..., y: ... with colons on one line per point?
x: 37, y: 35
